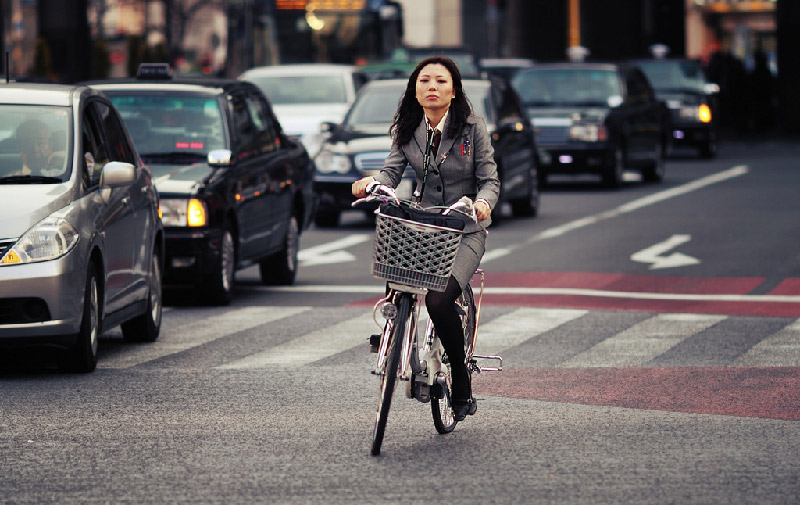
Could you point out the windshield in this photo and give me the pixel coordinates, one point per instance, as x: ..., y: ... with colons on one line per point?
x: 566, y: 86
x: 666, y: 75
x: 34, y: 143
x: 377, y: 105
x: 171, y: 123
x: 302, y: 89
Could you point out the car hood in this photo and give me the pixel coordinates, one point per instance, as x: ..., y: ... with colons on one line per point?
x: 305, y: 119
x: 355, y: 145
x: 179, y: 179
x: 675, y: 99
x: 24, y: 205
x: 564, y: 116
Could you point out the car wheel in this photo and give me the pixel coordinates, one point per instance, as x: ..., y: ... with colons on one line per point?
x: 709, y: 149
x: 654, y: 172
x: 327, y: 219
x: 146, y: 326
x: 281, y: 268
x: 612, y: 176
x: 82, y: 356
x: 221, y: 284
x: 526, y: 207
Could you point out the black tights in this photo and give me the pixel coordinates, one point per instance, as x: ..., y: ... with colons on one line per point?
x: 442, y: 309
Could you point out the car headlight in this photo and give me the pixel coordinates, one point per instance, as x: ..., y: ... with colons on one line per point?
x: 51, y: 238
x: 587, y: 132
x: 701, y: 113
x: 330, y: 163
x: 181, y: 212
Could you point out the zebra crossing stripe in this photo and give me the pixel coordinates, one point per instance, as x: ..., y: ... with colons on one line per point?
x: 199, y: 332
x: 312, y: 346
x: 780, y: 349
x: 644, y: 341
x: 519, y: 326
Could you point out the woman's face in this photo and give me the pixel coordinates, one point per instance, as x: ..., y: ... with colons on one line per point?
x: 435, y: 87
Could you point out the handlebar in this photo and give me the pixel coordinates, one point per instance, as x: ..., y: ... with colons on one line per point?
x: 377, y: 191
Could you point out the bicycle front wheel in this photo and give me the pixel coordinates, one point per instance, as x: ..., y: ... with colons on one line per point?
x: 389, y: 377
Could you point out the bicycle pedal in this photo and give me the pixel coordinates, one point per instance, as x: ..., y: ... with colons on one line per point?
x: 498, y: 368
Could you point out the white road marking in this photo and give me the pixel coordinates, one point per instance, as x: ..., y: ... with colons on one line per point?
x: 780, y: 349
x: 583, y: 222
x: 653, y: 254
x: 519, y: 326
x: 644, y: 341
x: 198, y: 333
x: 312, y: 346
x: 633, y: 295
x: 332, y: 252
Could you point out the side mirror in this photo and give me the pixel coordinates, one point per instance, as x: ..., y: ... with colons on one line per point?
x: 614, y: 101
x: 117, y: 173
x: 327, y: 126
x: 220, y: 158
x: 510, y: 126
x: 711, y: 88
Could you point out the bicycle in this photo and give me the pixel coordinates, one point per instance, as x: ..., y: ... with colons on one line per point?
x: 414, y: 254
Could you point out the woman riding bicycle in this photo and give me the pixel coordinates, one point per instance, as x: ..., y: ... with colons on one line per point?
x: 434, y: 120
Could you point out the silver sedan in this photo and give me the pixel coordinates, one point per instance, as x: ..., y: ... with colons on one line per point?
x: 81, y: 240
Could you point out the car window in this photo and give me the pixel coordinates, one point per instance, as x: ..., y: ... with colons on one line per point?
x: 480, y: 98
x: 171, y: 122
x: 93, y: 146
x: 375, y: 106
x: 34, y: 140
x: 566, y: 86
x: 673, y: 75
x: 262, y: 120
x: 118, y: 147
x: 302, y: 89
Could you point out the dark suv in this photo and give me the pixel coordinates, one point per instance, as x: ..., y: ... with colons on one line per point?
x: 235, y: 190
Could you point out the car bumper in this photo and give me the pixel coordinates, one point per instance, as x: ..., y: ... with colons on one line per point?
x: 191, y: 256
x: 574, y: 159
x: 691, y: 134
x: 42, y: 303
x: 336, y: 194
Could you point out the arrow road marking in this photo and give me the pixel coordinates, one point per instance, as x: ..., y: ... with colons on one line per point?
x: 653, y: 254
x: 331, y: 252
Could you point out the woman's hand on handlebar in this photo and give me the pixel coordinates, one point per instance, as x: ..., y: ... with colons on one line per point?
x: 359, y: 187
x: 482, y: 210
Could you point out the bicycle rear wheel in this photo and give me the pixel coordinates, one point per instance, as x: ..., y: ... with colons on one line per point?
x: 389, y: 377
x: 441, y: 408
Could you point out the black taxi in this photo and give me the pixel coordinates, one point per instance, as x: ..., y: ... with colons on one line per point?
x: 235, y: 190
x: 594, y: 118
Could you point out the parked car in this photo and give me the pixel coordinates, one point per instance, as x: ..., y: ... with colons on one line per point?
x: 691, y: 99
x: 82, y: 243
x: 235, y: 190
x: 595, y: 118
x: 359, y: 146
x: 504, y: 67
x: 304, y: 96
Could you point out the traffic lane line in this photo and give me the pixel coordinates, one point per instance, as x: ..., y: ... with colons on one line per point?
x: 762, y: 392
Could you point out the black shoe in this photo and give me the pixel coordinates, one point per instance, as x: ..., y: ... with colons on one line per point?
x: 464, y: 408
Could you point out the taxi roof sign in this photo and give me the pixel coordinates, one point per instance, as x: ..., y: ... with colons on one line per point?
x: 154, y: 71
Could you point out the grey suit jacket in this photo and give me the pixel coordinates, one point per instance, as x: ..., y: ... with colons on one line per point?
x: 464, y: 165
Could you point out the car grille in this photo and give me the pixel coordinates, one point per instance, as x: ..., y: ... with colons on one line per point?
x: 552, y: 134
x: 370, y: 163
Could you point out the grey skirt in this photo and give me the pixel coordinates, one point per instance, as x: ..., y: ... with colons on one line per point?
x: 469, y: 255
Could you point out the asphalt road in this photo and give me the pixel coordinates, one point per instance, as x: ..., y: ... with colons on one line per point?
x: 631, y: 375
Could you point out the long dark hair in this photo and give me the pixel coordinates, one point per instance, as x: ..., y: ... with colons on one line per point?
x: 409, y: 111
